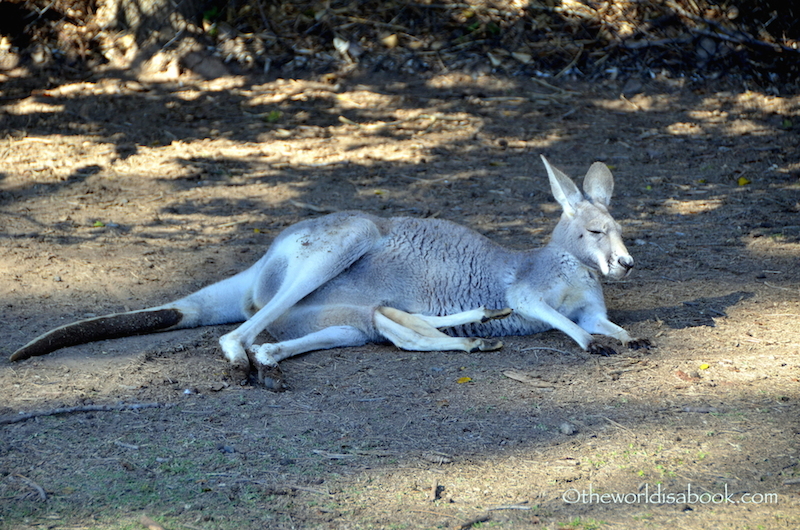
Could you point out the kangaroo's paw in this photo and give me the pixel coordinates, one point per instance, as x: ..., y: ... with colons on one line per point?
x: 493, y: 314
x: 485, y: 345
x: 267, y: 372
x: 236, y: 355
x: 595, y: 348
x: 639, y: 344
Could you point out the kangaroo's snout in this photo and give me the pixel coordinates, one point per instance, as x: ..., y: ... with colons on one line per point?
x: 626, y: 262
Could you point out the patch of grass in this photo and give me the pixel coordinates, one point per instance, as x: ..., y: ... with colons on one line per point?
x: 578, y: 523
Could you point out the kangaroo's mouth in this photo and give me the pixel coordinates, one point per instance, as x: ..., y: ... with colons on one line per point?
x: 620, y: 267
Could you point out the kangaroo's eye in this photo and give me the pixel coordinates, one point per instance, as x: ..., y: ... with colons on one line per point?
x: 596, y: 232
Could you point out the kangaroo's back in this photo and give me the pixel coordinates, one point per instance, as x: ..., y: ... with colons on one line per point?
x: 448, y: 268
x: 432, y: 267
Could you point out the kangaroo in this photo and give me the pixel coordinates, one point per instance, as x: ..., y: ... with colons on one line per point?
x: 350, y: 278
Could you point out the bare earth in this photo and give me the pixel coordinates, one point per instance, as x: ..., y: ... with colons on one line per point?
x: 119, y: 195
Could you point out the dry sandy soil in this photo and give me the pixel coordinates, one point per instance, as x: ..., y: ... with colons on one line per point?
x: 119, y: 195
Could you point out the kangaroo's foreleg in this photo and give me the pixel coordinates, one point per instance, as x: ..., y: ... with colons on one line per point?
x: 539, y: 310
x: 602, y: 326
x: 472, y: 316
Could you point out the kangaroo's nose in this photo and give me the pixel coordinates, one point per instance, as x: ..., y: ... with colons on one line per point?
x: 626, y: 262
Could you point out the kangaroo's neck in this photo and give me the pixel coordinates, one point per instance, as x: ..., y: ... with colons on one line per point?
x: 550, y: 261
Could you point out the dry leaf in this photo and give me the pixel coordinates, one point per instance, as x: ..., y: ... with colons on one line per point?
x: 390, y: 41
x: 524, y: 58
x: 528, y: 379
x: 686, y: 377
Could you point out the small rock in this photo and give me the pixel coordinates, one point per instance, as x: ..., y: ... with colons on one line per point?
x: 567, y: 428
x: 632, y: 87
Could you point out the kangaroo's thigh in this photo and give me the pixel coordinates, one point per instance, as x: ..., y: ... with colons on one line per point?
x: 303, y: 258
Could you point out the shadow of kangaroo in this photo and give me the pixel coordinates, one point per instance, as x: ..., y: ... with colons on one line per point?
x: 350, y: 278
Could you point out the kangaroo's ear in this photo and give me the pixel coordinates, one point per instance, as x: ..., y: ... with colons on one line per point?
x: 599, y: 183
x: 564, y: 190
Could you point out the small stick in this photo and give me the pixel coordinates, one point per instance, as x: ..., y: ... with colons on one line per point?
x: 84, y: 408
x: 571, y: 63
x: 546, y: 349
x: 32, y: 484
x: 309, y: 490
x: 436, y: 491
x: 614, y: 423
x: 434, y: 513
x: 469, y: 524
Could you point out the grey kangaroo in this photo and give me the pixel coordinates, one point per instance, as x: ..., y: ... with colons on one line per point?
x: 350, y: 278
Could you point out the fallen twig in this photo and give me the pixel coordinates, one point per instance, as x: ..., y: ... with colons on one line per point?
x: 473, y: 522
x: 547, y: 349
x: 571, y: 63
x: 32, y: 484
x: 83, y: 408
x: 616, y: 424
x: 312, y: 207
x: 510, y: 507
x: 528, y: 379
x: 434, y: 513
x: 436, y: 491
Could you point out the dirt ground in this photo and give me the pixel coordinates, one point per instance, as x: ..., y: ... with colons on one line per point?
x: 117, y: 194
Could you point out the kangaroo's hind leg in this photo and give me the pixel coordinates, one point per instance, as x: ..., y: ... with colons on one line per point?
x: 265, y: 357
x: 300, y: 260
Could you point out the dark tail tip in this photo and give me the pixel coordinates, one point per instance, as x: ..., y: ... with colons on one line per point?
x: 100, y: 328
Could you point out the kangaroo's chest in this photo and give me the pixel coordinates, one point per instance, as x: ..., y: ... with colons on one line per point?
x: 578, y: 291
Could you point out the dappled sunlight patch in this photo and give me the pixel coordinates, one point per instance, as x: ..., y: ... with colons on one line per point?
x: 751, y: 101
x: 685, y: 129
x: 637, y: 103
x: 692, y: 207
x: 452, y: 80
x: 32, y: 105
x: 720, y: 121
x: 776, y: 243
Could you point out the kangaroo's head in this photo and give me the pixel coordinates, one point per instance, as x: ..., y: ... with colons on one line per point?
x: 586, y: 229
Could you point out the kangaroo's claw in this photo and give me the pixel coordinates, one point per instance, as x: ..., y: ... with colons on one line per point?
x: 595, y: 348
x: 640, y: 344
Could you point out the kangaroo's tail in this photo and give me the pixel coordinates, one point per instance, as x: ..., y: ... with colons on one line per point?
x: 100, y: 328
x: 221, y: 303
